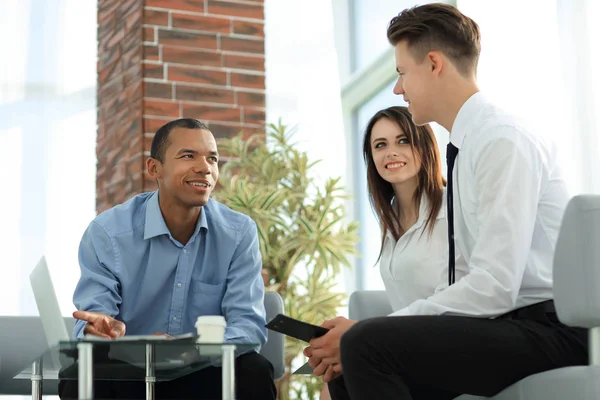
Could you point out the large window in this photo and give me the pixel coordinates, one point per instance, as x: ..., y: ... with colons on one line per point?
x: 47, y: 137
x: 369, y: 25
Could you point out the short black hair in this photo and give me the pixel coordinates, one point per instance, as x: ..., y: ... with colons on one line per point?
x: 160, y: 142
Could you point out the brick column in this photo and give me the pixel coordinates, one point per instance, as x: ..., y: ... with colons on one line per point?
x: 164, y: 59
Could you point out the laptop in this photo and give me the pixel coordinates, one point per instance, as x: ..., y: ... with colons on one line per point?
x: 53, y: 323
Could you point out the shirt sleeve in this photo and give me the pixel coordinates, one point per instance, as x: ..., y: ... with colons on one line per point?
x: 243, y: 303
x: 98, y: 288
x: 508, y: 178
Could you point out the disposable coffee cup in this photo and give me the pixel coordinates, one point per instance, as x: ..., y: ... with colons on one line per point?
x: 211, y: 328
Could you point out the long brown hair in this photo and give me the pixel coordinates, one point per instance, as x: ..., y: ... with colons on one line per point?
x: 430, y: 181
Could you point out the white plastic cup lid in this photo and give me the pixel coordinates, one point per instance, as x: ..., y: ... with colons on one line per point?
x: 217, y: 320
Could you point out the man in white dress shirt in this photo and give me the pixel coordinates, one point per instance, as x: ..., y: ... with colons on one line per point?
x: 497, y: 324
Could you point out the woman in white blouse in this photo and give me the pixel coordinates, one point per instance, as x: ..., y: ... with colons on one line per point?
x: 407, y: 193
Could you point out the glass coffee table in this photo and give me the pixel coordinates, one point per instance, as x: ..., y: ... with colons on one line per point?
x: 145, y: 360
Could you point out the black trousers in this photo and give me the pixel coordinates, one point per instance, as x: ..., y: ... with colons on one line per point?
x: 253, y: 374
x: 442, y: 357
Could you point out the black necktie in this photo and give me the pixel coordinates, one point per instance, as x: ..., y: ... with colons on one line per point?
x: 451, y: 152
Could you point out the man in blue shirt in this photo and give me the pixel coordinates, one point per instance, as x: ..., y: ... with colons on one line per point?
x: 155, y: 263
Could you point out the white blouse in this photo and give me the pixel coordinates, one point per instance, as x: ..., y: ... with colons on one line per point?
x: 416, y: 266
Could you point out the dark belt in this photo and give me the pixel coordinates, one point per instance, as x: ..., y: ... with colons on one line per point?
x: 534, y: 312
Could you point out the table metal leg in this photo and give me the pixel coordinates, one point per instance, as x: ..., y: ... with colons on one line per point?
x: 594, y: 347
x: 150, y: 375
x: 36, y: 380
x: 85, y: 371
x: 228, y: 372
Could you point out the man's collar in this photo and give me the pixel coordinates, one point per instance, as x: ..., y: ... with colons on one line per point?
x: 202, y: 221
x: 461, y: 125
x: 156, y: 225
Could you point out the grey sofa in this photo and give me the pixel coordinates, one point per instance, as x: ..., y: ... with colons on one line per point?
x: 22, y: 340
x: 577, y: 300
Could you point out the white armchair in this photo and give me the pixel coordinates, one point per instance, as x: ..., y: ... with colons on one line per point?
x: 577, y: 301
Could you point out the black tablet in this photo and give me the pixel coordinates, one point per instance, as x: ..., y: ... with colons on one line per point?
x: 296, y: 329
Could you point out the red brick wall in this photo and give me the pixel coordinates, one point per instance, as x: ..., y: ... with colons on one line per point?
x: 160, y: 60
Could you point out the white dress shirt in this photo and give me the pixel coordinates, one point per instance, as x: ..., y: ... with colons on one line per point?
x: 509, y: 199
x: 416, y: 266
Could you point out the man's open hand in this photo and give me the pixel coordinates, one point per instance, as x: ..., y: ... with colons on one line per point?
x: 100, y: 324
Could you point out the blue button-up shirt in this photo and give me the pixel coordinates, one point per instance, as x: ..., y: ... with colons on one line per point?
x: 134, y: 270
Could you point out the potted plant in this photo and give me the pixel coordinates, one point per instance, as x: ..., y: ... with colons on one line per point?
x: 304, y: 233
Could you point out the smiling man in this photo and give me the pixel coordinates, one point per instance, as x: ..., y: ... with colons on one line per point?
x: 158, y: 261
